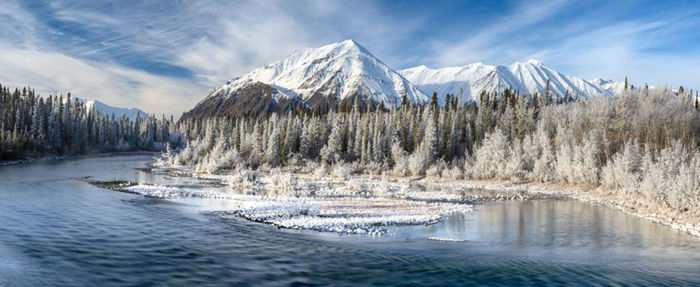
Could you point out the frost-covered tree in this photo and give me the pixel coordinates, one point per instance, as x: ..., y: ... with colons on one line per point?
x: 491, y: 158
x: 515, y: 167
x: 399, y: 157
x: 273, y: 155
x: 543, y: 169
x: 332, y: 152
x: 307, y: 141
x: 590, y: 165
x: 595, y: 140
x: 623, y: 171
x: 429, y: 146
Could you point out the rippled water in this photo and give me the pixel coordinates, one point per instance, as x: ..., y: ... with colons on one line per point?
x: 56, y: 229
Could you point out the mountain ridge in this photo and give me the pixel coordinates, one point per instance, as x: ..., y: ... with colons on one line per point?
x: 525, y: 77
x: 345, y: 74
x: 109, y: 110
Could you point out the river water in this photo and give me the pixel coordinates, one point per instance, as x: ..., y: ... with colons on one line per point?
x: 56, y: 229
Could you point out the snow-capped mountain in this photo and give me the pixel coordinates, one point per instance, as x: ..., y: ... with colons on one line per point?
x: 332, y: 75
x: 118, y: 112
x: 470, y: 80
x: 345, y: 74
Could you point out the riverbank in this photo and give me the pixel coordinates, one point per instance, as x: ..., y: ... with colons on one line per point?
x: 471, y: 191
x: 66, y: 157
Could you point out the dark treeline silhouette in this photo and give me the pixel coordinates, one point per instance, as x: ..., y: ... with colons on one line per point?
x: 32, y: 126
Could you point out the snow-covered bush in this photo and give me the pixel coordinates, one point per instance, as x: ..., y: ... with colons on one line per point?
x: 341, y: 171
x: 454, y: 171
x: 468, y: 167
x: 295, y: 160
x: 282, y: 182
x: 321, y: 171
x: 242, y: 178
x: 417, y: 163
x: 374, y: 168
x: 436, y: 169
x: 400, y: 158
x: 623, y: 171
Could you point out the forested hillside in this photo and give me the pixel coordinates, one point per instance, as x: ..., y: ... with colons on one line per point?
x: 642, y: 142
x: 33, y: 126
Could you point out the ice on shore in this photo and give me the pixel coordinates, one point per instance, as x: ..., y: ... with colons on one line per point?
x: 353, y: 207
x: 160, y: 191
x: 346, y: 215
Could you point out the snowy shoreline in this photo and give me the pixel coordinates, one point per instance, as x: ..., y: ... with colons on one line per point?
x: 357, y: 207
x: 370, y: 203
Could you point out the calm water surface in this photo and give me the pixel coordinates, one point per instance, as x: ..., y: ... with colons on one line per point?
x: 58, y: 230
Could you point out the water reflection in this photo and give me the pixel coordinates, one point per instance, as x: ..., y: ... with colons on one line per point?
x: 559, y: 224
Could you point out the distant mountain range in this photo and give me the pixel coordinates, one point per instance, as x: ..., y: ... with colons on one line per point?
x: 118, y: 112
x: 346, y: 74
x: 527, y: 78
x: 614, y: 87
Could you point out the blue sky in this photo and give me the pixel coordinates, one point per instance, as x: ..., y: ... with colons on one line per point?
x: 164, y: 56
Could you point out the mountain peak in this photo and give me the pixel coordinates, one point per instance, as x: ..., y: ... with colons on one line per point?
x: 350, y: 42
x: 108, y: 110
x: 349, y: 45
x: 419, y: 68
x: 338, y: 74
x: 535, y: 62
x: 532, y: 62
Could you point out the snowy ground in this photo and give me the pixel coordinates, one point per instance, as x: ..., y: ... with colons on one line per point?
x: 369, y: 204
x: 282, y: 200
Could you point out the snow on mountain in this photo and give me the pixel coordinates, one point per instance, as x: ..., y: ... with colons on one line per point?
x: 615, y: 87
x: 331, y: 74
x: 118, y: 112
x: 345, y: 73
x: 470, y: 80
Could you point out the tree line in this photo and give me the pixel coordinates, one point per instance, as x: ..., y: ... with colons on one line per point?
x: 643, y: 141
x: 33, y: 126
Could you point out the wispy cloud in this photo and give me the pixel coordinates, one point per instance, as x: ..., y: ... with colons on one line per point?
x: 157, y: 52
x: 657, y: 45
x: 163, y: 56
x: 500, y: 37
x: 57, y: 73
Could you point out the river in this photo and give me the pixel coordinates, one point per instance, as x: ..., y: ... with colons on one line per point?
x: 56, y: 229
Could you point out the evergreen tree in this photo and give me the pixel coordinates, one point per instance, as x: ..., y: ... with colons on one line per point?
x: 333, y: 150
x: 274, y: 147
x: 434, y: 100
